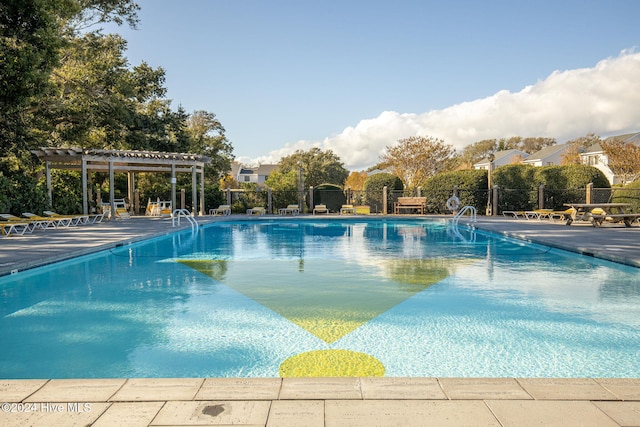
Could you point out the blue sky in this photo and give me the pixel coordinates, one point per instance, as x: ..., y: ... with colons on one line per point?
x: 355, y: 76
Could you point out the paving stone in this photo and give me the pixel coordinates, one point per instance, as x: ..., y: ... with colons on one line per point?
x: 294, y: 413
x: 623, y: 388
x: 47, y: 414
x: 239, y: 389
x: 401, y: 388
x: 406, y: 413
x: 624, y: 413
x: 129, y: 414
x: 483, y: 388
x: 320, y: 388
x: 565, y: 389
x: 549, y: 413
x: 18, y: 390
x: 154, y: 389
x: 87, y: 390
x: 243, y: 413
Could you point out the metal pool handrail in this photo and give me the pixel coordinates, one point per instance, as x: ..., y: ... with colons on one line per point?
x: 183, y: 213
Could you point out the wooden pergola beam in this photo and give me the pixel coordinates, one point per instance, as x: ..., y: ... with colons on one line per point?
x: 130, y: 161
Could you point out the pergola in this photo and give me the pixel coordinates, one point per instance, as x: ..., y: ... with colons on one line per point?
x: 129, y: 161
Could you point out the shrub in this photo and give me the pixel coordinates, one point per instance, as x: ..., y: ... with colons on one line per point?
x: 518, y: 189
x: 630, y: 193
x: 373, y: 187
x: 471, y: 184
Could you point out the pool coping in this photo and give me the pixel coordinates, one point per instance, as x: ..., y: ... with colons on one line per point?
x: 321, y: 401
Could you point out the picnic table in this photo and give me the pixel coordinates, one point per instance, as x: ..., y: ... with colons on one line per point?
x: 598, y: 212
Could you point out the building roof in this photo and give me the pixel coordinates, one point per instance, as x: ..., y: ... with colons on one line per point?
x: 633, y: 138
x: 546, y: 152
x: 501, y: 155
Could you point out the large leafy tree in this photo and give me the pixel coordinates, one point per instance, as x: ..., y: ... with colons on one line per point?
x: 32, y: 34
x: 207, y: 137
x: 417, y: 158
x: 30, y: 40
x: 319, y: 167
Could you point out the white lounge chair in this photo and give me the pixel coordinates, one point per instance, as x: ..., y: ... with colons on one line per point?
x: 290, y: 209
x: 320, y: 209
x: 221, y: 210
x: 257, y: 211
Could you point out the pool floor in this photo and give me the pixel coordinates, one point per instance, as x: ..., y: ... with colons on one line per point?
x: 497, y: 308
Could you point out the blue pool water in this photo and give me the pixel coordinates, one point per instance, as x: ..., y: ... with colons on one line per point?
x: 241, y: 298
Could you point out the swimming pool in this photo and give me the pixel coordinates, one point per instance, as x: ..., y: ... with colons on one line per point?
x: 271, y: 298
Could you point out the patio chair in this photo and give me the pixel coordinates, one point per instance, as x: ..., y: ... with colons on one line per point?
x: 221, y: 210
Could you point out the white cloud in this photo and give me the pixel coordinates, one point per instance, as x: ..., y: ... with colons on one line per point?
x: 604, y: 99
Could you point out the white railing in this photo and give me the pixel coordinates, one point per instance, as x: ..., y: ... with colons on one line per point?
x: 466, y: 209
x: 183, y: 213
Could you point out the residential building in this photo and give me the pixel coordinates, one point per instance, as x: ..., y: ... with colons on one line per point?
x: 595, y: 156
x: 505, y: 157
x: 548, y: 156
x: 257, y: 175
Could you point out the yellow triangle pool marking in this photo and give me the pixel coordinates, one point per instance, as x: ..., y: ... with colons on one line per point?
x: 332, y: 311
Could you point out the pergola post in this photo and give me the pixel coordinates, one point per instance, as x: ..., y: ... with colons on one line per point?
x: 49, y: 192
x: 194, y: 191
x: 173, y: 187
x: 131, y: 185
x: 202, y: 209
x: 85, y: 203
x: 112, y: 192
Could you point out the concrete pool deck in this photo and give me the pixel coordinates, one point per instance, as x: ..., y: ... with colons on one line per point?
x: 322, y: 401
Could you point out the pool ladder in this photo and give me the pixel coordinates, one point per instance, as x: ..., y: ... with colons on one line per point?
x: 183, y: 213
x: 466, y: 209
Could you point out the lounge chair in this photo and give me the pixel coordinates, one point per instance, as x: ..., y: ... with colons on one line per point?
x: 7, y: 228
x: 57, y: 222
x: 258, y: 210
x: 12, y: 219
x: 75, y: 219
x: 290, y: 209
x: 320, y: 209
x: 32, y: 223
x: 221, y: 210
x: 347, y: 209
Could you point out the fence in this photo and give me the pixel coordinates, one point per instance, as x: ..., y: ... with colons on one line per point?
x: 500, y: 199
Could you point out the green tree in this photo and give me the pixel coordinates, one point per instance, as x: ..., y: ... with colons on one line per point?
x: 30, y: 41
x: 207, y: 137
x: 417, y: 158
x: 284, y: 187
x: 319, y: 167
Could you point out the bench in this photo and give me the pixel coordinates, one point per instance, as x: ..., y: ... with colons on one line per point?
x: 413, y: 203
x: 627, y: 218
